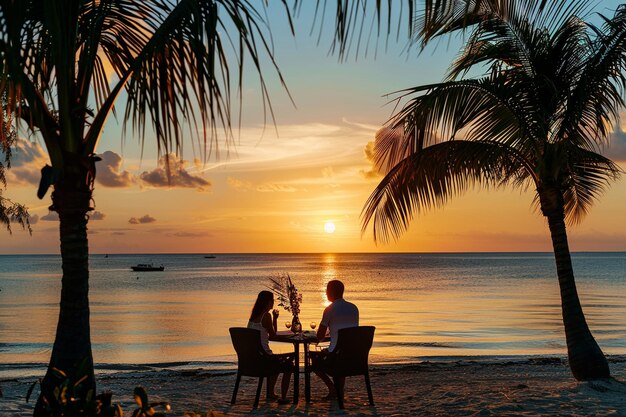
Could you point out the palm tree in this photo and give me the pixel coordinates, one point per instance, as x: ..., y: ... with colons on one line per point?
x: 552, y: 90
x: 63, y: 65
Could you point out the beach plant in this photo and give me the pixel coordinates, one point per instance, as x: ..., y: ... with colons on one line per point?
x: 146, y: 408
x: 538, y: 118
x: 69, y: 399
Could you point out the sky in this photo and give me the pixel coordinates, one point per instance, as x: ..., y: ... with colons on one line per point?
x: 275, y: 190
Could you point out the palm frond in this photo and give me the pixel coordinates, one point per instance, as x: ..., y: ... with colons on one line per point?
x: 442, y: 17
x: 589, y: 175
x: 595, y: 101
x: 176, y: 62
x: 428, y: 178
x: 61, y: 39
x: 355, y: 22
x: 487, y: 109
x: 26, y: 72
x: 94, y: 19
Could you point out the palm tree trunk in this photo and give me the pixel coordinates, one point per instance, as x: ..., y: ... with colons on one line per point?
x: 71, y: 352
x: 586, y: 359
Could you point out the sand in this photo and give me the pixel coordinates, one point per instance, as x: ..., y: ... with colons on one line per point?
x: 485, y: 387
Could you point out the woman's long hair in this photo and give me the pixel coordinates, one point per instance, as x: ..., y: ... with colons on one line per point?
x: 262, y: 301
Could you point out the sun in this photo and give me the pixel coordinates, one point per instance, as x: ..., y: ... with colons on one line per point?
x: 329, y: 227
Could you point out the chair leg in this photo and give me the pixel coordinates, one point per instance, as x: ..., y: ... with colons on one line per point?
x: 258, y: 393
x: 369, y: 388
x: 339, y: 391
x: 232, y: 401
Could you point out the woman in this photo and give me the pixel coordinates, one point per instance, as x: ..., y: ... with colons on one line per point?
x: 261, y: 320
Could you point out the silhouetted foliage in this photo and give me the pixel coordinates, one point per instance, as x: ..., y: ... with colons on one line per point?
x: 553, y: 88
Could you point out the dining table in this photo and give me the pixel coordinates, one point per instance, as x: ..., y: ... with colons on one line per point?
x: 296, y: 339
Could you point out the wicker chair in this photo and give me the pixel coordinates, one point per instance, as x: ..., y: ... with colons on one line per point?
x: 254, y: 361
x: 349, y: 358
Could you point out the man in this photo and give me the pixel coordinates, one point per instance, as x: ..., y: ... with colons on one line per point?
x: 339, y: 315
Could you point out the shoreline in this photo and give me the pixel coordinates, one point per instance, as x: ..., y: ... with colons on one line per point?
x: 33, y: 370
x: 539, y: 385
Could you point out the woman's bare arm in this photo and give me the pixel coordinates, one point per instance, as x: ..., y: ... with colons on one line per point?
x: 269, y: 324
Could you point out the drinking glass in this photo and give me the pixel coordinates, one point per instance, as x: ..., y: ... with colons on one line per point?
x: 313, y: 324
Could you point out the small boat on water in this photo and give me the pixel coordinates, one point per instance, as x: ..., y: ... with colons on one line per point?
x: 147, y: 267
x: 210, y: 256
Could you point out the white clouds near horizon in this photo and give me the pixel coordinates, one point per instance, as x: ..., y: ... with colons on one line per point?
x: 109, y: 171
x: 617, y: 146
x: 172, y: 172
x: 145, y: 219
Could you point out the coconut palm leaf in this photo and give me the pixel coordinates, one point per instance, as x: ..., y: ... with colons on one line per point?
x: 598, y: 94
x: 480, y: 109
x: 175, y: 63
x: 356, y: 22
x: 589, y: 175
x: 430, y: 177
x: 442, y: 17
x: 25, y: 71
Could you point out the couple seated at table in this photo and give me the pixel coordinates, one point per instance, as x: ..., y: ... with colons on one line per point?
x: 338, y: 315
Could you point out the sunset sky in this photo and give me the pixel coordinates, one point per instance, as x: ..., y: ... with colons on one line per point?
x: 275, y: 192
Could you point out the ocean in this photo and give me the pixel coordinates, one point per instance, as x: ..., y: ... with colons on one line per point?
x: 424, y: 305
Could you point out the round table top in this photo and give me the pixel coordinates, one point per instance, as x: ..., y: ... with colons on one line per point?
x: 288, y: 336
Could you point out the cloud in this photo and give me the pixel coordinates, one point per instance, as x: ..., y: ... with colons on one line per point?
x: 97, y: 215
x: 179, y: 176
x: 27, y: 159
x: 617, y: 149
x: 188, y: 234
x: 109, y: 173
x: 52, y: 216
x: 328, y: 172
x: 275, y: 188
x: 142, y: 220
x: 372, y: 172
x: 32, y: 219
x: 115, y: 230
x: 299, y: 146
x: 384, y: 135
x: 239, y: 185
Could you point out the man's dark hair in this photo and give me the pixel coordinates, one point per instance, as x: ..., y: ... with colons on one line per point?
x: 335, y: 288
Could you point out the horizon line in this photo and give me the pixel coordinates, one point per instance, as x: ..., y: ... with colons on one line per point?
x: 318, y: 253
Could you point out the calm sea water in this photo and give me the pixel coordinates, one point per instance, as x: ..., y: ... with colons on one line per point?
x: 421, y: 304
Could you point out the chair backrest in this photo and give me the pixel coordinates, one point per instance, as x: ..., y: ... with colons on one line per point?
x: 352, y: 350
x: 250, y: 353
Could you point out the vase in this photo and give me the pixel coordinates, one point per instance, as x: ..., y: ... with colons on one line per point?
x: 296, y: 326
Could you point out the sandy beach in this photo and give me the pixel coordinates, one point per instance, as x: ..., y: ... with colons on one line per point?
x: 482, y: 387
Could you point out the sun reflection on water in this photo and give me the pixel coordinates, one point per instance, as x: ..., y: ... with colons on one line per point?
x: 328, y: 274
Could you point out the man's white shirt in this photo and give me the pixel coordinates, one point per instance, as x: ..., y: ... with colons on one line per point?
x: 339, y: 315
